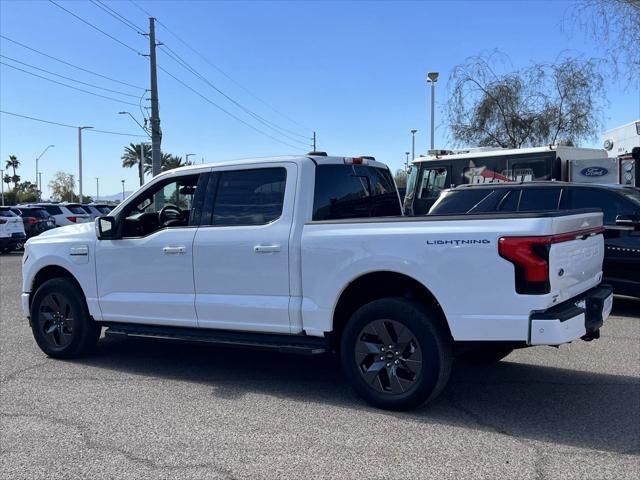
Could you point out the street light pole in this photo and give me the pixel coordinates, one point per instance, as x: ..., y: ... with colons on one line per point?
x: 38, y: 158
x: 122, y: 190
x: 406, y: 165
x: 433, y: 78
x: 186, y: 157
x: 80, y: 160
x: 2, y: 185
x: 97, y: 189
x: 413, y: 143
x: 39, y: 186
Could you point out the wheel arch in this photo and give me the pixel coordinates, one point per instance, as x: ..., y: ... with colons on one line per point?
x: 382, y: 284
x: 50, y: 272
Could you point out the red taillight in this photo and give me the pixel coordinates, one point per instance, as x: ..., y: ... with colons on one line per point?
x: 355, y: 160
x: 530, y: 257
x: 72, y: 219
x: 32, y: 220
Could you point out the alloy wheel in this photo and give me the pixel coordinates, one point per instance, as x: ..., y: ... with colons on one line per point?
x: 388, y: 356
x: 56, y: 320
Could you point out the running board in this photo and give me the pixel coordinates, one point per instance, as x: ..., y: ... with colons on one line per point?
x: 299, y: 344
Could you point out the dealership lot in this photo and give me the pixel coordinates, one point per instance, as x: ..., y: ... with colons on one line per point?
x: 155, y: 409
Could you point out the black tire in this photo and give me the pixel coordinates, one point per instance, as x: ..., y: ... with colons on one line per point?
x: 60, y: 320
x: 401, y: 382
x: 484, y: 355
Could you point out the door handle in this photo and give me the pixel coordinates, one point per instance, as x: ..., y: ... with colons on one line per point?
x: 171, y: 250
x: 267, y: 248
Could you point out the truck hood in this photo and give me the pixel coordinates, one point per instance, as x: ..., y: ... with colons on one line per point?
x: 80, y: 231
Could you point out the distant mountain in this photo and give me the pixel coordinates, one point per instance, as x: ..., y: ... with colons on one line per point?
x: 117, y: 197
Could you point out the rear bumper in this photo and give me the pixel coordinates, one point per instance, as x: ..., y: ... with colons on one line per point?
x: 582, y: 316
x: 13, y: 240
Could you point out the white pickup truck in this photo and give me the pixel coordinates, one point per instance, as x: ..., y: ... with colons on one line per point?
x: 311, y: 254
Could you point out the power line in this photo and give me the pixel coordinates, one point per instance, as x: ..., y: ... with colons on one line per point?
x: 107, y: 9
x: 96, y: 28
x: 68, y: 78
x: 71, y: 64
x: 69, y: 86
x: 174, y: 56
x: 68, y: 126
x: 206, y: 60
x: 207, y: 99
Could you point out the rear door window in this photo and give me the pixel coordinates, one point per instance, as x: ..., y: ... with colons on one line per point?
x: 539, y: 199
x: 249, y: 197
x: 53, y: 209
x: 354, y: 191
x: 77, y: 209
x: 509, y: 202
x: 464, y: 201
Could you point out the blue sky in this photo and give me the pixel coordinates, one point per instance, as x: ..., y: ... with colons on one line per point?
x: 352, y: 71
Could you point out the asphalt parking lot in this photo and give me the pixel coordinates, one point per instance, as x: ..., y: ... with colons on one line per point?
x: 156, y: 409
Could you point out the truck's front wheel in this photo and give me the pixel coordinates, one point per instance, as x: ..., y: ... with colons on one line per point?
x: 396, y: 354
x: 60, y: 320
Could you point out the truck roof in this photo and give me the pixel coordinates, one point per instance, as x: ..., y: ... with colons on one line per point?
x: 476, y: 153
x: 299, y: 159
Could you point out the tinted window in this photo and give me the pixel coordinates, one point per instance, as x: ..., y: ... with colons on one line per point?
x: 77, y: 209
x: 104, y: 210
x: 610, y: 203
x: 5, y: 212
x: 249, y: 197
x: 509, y: 203
x: 434, y: 180
x: 539, y: 199
x: 35, y: 212
x: 86, y: 209
x: 354, y: 191
x: 462, y: 201
x: 53, y: 209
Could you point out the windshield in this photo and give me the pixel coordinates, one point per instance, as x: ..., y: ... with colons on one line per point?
x: 632, y: 194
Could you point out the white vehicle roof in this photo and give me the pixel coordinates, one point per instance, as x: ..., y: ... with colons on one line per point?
x: 563, y: 151
x: 318, y: 159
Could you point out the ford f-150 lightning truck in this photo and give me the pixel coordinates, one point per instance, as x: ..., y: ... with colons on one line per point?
x: 311, y: 254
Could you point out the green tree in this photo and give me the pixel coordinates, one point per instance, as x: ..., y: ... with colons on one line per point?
x: 27, y: 192
x: 13, y: 163
x: 131, y: 157
x: 62, y: 186
x: 538, y: 105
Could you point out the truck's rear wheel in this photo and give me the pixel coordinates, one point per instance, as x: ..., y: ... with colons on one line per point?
x: 60, y: 320
x: 395, y: 354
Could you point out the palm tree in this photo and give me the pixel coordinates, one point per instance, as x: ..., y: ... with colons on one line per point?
x: 13, y: 163
x: 168, y: 162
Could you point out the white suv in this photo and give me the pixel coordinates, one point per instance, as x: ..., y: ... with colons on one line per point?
x: 65, y: 213
x: 12, y: 235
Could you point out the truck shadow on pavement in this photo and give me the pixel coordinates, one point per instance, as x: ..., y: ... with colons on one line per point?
x: 519, y: 400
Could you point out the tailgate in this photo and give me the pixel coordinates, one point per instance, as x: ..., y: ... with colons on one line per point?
x: 575, y: 258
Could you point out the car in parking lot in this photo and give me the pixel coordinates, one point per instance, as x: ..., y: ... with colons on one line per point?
x: 311, y: 254
x: 12, y: 234
x: 620, y: 206
x: 65, y: 213
x: 35, y: 219
x: 96, y: 209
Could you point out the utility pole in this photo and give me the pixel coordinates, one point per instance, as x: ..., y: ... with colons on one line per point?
x: 122, y: 190
x: 80, y: 160
x: 140, y: 164
x: 314, y: 141
x: 97, y: 189
x: 2, y: 184
x: 156, y: 133
x: 433, y: 78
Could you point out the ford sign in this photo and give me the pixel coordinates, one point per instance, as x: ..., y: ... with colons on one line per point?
x: 594, y: 172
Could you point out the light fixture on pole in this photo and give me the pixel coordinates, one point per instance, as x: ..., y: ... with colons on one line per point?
x: 38, y: 158
x: 413, y: 143
x: 122, y: 190
x: 186, y: 157
x: 80, y: 160
x: 432, y: 77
